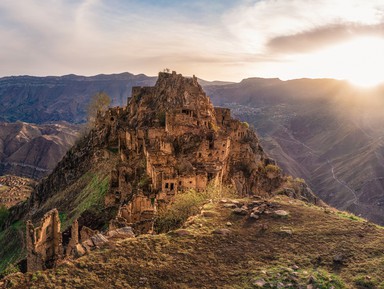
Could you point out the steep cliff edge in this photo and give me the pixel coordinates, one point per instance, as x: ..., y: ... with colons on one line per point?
x: 168, y: 139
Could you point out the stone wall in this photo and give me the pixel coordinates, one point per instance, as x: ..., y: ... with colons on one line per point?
x: 44, y: 243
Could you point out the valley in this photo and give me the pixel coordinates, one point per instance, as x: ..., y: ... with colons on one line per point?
x: 323, y: 131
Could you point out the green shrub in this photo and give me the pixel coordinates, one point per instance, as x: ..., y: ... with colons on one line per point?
x: 186, y: 204
x: 245, y: 124
x: 161, y: 117
x: 272, y: 169
x: 3, y: 214
x: 362, y: 282
x: 144, y: 182
x: 11, y: 268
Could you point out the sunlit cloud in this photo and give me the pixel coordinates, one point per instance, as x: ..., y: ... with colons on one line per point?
x: 226, y: 39
x: 323, y: 36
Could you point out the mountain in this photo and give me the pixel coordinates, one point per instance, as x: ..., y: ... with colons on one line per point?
x: 325, y: 131
x: 33, y: 151
x: 46, y: 99
x: 169, y: 142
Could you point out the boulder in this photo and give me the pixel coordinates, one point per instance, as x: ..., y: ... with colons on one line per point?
x: 99, y: 240
x: 254, y: 216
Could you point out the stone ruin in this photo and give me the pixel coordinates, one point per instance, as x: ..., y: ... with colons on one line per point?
x: 44, y: 243
x: 171, y: 138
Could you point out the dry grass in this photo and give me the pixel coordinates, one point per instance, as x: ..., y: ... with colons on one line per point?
x: 253, y: 250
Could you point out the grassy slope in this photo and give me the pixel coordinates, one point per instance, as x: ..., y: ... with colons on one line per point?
x: 237, y: 260
x: 87, y: 193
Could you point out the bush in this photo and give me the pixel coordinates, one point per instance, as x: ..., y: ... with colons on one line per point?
x: 161, y: 117
x: 144, y: 182
x: 10, y: 270
x: 272, y: 169
x: 3, y: 215
x: 185, y: 205
x: 245, y: 124
x: 362, y: 282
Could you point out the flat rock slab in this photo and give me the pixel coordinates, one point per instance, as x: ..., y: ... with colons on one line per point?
x: 281, y: 213
x: 99, y: 240
x: 230, y: 206
x: 125, y: 232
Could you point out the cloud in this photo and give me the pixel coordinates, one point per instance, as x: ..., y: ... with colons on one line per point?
x: 254, y: 23
x: 321, y: 37
x: 212, y: 39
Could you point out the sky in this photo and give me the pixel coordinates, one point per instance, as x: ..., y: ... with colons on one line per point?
x: 214, y: 40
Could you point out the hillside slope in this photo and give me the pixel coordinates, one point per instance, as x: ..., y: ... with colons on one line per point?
x: 33, y: 151
x: 325, y: 131
x: 310, y: 248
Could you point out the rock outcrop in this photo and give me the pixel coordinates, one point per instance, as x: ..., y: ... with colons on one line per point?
x: 171, y: 138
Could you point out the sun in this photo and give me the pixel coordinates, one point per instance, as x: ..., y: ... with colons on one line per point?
x: 359, y: 60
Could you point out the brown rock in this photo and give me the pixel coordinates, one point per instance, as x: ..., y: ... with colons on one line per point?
x: 221, y: 231
x: 281, y: 213
x: 240, y: 211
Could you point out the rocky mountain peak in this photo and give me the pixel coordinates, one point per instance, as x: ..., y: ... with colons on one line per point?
x: 172, y: 91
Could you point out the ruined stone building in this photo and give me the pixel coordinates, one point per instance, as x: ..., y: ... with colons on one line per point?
x: 44, y: 243
x: 171, y: 138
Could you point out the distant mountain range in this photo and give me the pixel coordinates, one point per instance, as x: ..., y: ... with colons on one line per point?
x: 325, y: 131
x: 45, y: 99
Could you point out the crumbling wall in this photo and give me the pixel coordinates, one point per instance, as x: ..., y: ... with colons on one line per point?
x: 140, y: 213
x: 44, y: 243
x: 74, y: 247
